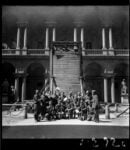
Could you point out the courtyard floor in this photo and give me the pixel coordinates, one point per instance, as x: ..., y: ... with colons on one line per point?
x: 15, y: 126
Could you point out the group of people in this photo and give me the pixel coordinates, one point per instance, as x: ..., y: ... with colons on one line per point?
x: 59, y: 106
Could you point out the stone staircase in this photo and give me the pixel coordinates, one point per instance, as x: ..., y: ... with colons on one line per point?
x: 66, y: 70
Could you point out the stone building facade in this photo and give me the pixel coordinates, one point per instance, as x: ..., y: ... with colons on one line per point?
x: 102, y: 36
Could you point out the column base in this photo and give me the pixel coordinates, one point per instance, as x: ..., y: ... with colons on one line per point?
x: 124, y: 99
x: 17, y: 52
x: 107, y: 112
x: 104, y: 51
x: 24, y: 52
x: 24, y: 48
x: 116, y: 107
x: 46, y: 51
x: 83, y: 52
x: 17, y: 47
x: 111, y: 51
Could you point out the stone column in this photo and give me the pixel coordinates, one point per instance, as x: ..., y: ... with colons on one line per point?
x: 16, y: 88
x: 103, y: 39
x: 110, y: 39
x: 24, y: 88
x: 104, y: 42
x: 47, y: 38
x: 25, y: 38
x: 75, y: 34
x: 18, y: 38
x: 54, y: 34
x: 82, y: 37
x: 112, y: 90
x: 107, y: 111
x: 105, y: 90
x: 111, y: 49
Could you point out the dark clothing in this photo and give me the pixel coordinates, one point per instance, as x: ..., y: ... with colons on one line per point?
x: 69, y: 111
x: 50, y: 112
x: 37, y: 107
x: 95, y: 105
x: 83, y: 111
x: 90, y: 113
x: 43, y: 106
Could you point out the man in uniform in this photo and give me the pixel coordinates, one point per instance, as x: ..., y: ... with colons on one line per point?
x: 37, y: 106
x: 83, y: 110
x: 50, y: 111
x: 95, y: 105
x: 90, y: 111
x: 69, y: 110
x: 43, y: 105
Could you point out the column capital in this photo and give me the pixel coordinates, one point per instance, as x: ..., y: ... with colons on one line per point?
x: 110, y: 26
x: 104, y: 26
x: 78, y: 23
x: 109, y: 75
x: 22, y: 24
x: 50, y: 23
x: 17, y: 75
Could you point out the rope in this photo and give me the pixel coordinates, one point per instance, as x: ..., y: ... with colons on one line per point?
x: 122, y: 112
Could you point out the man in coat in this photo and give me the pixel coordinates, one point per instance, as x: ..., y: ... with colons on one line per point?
x: 95, y: 105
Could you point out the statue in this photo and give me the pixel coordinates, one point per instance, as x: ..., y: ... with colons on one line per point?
x: 124, y: 87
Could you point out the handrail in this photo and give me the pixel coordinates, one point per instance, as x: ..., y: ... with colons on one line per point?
x: 106, y: 52
x: 85, y: 52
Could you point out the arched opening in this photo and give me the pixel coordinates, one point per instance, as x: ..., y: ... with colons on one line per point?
x: 93, y: 79
x: 35, y: 79
x: 8, y: 78
x: 121, y: 72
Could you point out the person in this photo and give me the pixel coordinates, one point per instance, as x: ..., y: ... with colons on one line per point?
x: 57, y: 109
x: 12, y: 94
x: 88, y: 96
x: 95, y: 105
x: 90, y: 110
x: 69, y: 110
x: 124, y: 87
x: 37, y: 106
x: 50, y: 111
x: 43, y: 105
x: 83, y: 110
x: 76, y: 110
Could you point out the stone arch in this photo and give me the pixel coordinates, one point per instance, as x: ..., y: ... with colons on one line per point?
x: 93, y: 78
x: 35, y: 78
x: 29, y: 63
x: 121, y: 71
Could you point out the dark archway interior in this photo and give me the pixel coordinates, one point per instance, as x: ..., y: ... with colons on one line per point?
x: 93, y: 79
x: 7, y: 80
x: 35, y: 79
x: 121, y: 71
x: 8, y: 71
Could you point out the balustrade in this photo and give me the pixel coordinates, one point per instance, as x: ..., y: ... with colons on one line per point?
x: 87, y: 52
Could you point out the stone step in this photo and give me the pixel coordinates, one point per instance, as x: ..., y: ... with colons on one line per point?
x: 66, y: 70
